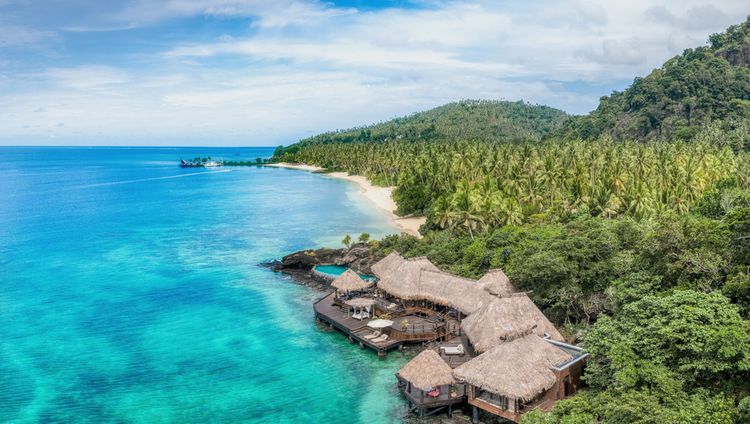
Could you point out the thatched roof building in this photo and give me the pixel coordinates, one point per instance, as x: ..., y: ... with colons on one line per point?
x: 419, y: 279
x: 400, y: 277
x: 446, y: 289
x: 427, y: 370
x: 349, y: 281
x: 496, y: 282
x: 505, y: 318
x: 519, y: 369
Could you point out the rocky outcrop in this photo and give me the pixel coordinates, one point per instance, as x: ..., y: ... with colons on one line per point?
x: 305, y: 260
x: 737, y: 57
x: 300, y: 264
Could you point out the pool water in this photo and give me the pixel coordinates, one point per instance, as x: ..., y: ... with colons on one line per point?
x: 335, y: 270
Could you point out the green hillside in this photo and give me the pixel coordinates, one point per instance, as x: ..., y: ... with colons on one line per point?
x: 466, y: 120
x: 700, y: 86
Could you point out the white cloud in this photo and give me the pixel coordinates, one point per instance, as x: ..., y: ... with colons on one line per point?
x: 305, y: 67
x: 89, y: 77
x: 17, y: 35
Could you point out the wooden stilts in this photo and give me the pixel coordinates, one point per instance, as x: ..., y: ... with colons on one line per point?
x: 474, y: 415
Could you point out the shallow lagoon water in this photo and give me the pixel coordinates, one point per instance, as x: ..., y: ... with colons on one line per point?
x: 130, y: 291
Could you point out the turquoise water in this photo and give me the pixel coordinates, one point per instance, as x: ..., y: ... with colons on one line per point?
x: 335, y: 271
x: 130, y: 292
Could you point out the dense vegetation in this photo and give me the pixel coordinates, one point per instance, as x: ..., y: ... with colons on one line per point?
x: 662, y: 304
x: 675, y: 101
x: 639, y: 250
x: 468, y: 120
x: 485, y: 184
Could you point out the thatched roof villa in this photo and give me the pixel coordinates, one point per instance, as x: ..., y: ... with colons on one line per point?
x: 419, y: 279
x: 519, y: 375
x: 349, y: 281
x: 427, y: 371
x: 428, y: 383
x: 400, y: 277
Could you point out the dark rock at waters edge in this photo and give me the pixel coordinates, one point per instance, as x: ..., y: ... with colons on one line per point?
x: 356, y: 257
x: 300, y: 264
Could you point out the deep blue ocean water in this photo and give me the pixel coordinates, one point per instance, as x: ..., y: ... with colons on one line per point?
x: 130, y: 291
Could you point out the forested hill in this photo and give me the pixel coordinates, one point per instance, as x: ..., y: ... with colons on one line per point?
x: 464, y: 120
x: 700, y: 86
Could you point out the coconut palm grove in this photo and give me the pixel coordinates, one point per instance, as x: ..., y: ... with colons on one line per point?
x: 629, y: 227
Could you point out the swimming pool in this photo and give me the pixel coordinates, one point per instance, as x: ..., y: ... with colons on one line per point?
x: 333, y: 271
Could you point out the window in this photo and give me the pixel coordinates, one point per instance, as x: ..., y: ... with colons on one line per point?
x: 494, y: 398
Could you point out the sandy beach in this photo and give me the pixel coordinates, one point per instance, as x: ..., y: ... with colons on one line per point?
x: 380, y: 197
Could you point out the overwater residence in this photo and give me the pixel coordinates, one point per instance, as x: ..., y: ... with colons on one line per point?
x: 519, y: 375
x: 487, y: 344
x: 428, y: 384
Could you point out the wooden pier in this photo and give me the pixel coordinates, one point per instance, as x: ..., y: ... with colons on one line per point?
x: 419, y: 330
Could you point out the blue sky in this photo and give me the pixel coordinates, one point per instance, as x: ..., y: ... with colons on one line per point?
x: 256, y: 72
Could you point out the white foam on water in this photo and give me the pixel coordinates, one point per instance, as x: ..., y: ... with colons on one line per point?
x: 140, y: 180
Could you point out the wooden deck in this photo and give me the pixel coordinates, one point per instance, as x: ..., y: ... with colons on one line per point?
x: 328, y: 312
x: 456, y: 360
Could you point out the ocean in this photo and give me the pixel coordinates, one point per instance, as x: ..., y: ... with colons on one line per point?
x: 131, y: 291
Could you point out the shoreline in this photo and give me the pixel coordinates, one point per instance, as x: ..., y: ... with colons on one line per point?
x: 380, y: 197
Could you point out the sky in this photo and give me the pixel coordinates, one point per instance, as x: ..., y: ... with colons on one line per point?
x: 257, y: 72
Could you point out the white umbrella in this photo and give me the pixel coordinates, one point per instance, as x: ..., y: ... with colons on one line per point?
x: 380, y: 323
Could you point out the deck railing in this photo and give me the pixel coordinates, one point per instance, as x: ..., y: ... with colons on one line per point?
x: 417, y: 397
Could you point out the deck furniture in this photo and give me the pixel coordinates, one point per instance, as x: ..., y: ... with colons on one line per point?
x: 374, y: 335
x: 453, y: 350
x: 380, y: 339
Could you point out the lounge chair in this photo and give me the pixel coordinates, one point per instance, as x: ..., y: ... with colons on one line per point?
x: 434, y: 393
x: 380, y: 339
x: 373, y: 335
x: 453, y: 350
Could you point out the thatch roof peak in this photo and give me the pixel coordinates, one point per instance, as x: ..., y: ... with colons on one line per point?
x: 519, y: 369
x: 496, y: 282
x: 427, y: 370
x: 349, y: 281
x: 506, y: 318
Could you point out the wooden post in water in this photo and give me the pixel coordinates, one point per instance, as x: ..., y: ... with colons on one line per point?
x: 421, y: 406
